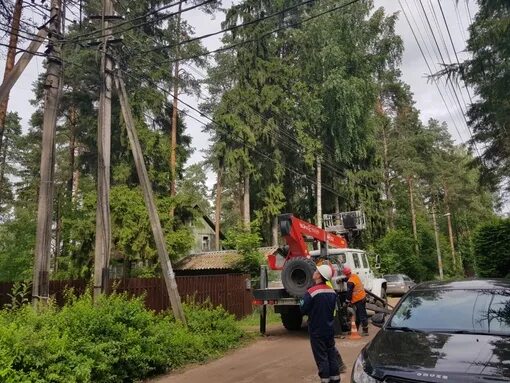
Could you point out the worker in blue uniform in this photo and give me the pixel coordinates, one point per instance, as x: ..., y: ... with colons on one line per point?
x: 319, y: 304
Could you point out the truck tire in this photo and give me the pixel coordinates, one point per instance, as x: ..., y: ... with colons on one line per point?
x: 297, y: 275
x: 292, y: 319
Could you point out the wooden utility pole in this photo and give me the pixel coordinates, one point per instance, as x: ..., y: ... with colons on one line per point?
x: 450, y: 235
x: 103, y: 223
x: 52, y: 88
x: 319, y: 193
x: 173, y: 140
x: 438, y: 248
x: 159, y: 239
x: 450, y: 232
x: 9, y: 63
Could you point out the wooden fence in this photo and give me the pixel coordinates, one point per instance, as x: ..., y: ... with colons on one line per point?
x: 227, y: 290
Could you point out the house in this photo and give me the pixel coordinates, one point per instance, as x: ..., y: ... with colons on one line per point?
x: 203, y: 230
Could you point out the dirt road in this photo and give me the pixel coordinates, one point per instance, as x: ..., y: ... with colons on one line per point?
x: 281, y: 357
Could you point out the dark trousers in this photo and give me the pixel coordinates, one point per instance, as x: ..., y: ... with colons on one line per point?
x: 327, y: 358
x: 361, y: 313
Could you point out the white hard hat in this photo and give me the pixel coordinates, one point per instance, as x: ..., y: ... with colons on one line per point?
x: 326, y: 271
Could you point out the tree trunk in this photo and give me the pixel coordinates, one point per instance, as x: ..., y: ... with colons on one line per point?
x: 274, y: 231
x: 72, y: 152
x: 319, y: 193
x: 3, y: 153
x: 387, y: 184
x: 9, y: 62
x: 173, y: 140
x: 58, y: 233
x: 217, y: 213
x: 413, y: 214
x: 246, y: 200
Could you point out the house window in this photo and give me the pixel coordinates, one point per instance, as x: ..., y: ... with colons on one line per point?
x: 206, y: 244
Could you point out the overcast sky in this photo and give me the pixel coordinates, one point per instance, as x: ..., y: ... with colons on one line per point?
x: 414, y: 69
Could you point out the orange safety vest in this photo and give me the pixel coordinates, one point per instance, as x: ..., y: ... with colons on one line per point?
x: 359, y: 291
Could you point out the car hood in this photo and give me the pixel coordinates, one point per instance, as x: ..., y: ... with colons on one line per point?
x: 439, y: 357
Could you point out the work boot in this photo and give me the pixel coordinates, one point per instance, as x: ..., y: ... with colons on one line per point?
x: 343, y: 368
x: 364, y: 332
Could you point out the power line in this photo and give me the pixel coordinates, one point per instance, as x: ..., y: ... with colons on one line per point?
x: 328, y: 164
x: 222, y: 49
x: 430, y: 70
x: 443, y: 62
x: 234, y: 27
x: 453, y: 46
x: 80, y: 37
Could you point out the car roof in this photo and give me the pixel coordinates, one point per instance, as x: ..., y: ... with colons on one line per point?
x: 465, y: 284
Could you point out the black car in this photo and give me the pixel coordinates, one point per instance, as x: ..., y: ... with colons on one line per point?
x: 442, y: 332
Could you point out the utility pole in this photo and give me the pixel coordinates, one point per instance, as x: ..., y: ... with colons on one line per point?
x: 9, y: 63
x: 159, y: 239
x: 413, y: 215
x: 450, y: 235
x: 103, y: 223
x: 52, y: 88
x: 450, y: 232
x: 438, y: 249
x: 319, y: 192
x: 173, y: 140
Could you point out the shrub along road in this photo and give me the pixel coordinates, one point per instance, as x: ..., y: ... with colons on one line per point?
x: 281, y: 356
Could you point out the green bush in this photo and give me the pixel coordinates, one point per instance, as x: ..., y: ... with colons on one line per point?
x: 116, y: 340
x: 491, y: 250
x: 397, y: 253
x: 246, y: 242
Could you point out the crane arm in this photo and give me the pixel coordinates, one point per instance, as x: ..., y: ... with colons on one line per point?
x: 294, y: 229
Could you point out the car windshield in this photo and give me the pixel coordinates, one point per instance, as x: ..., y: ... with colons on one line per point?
x: 477, y: 311
x: 392, y: 278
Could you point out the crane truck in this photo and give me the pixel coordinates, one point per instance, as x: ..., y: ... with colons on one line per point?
x: 297, y: 263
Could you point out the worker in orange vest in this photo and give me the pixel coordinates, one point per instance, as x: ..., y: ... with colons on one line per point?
x: 356, y: 297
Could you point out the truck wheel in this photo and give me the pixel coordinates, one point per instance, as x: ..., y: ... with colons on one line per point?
x: 292, y: 319
x: 297, y: 275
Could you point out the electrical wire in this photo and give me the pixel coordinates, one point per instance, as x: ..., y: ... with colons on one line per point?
x: 429, y: 68
x: 453, y: 89
x: 222, y: 49
x: 328, y: 164
x: 113, y: 27
x: 453, y: 46
x: 234, y: 27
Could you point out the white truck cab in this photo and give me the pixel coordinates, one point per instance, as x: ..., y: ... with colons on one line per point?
x: 357, y: 260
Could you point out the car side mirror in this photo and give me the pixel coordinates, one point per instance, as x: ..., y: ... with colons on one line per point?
x: 377, y: 261
x: 378, y: 319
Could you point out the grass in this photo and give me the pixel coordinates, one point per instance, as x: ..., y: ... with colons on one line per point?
x: 253, y: 320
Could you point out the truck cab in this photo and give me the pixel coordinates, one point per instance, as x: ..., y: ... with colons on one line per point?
x: 357, y: 260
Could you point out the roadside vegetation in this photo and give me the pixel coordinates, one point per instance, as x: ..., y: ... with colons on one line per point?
x: 114, y: 340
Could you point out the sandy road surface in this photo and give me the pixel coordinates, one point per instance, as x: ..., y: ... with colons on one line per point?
x: 281, y: 356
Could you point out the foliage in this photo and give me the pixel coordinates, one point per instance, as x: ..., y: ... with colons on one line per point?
x: 19, y: 295
x: 246, y: 242
x: 17, y: 240
x: 492, y: 253
x: 115, y: 340
x: 396, y: 249
x: 488, y: 72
